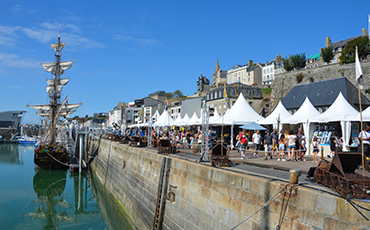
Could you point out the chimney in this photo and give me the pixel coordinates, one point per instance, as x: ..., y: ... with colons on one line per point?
x: 327, y: 42
x: 364, y: 32
x: 233, y: 67
x: 250, y: 63
x: 278, y: 58
x: 267, y: 62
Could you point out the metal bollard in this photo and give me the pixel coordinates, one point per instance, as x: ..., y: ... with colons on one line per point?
x: 294, y: 174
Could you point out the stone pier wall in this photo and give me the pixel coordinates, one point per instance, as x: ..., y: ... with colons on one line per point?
x: 212, y: 198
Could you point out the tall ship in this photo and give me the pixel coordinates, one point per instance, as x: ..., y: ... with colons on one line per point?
x: 53, y: 150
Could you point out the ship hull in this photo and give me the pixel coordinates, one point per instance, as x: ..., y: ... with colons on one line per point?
x: 52, y: 157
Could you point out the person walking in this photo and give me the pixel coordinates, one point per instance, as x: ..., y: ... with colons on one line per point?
x: 303, y: 148
x: 281, y: 148
x: 364, y: 136
x: 268, y: 144
x: 275, y: 142
x: 291, y: 146
x: 315, y: 151
x: 244, y: 142
x: 238, y: 144
x: 256, y: 139
x: 300, y: 134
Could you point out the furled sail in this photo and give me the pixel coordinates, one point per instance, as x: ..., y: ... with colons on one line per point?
x: 49, y: 89
x: 62, y: 81
x: 40, y: 107
x: 61, y: 113
x: 50, y: 67
x: 70, y: 106
x: 55, y: 46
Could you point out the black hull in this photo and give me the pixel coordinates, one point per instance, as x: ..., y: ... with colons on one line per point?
x: 44, y: 160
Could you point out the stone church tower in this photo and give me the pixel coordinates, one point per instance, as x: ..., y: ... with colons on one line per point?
x: 219, y: 76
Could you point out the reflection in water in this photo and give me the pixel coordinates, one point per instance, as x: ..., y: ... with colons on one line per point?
x: 51, y: 205
x: 12, y: 154
x: 49, y: 187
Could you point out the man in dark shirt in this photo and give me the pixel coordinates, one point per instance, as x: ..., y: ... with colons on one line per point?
x: 226, y: 140
x: 268, y: 144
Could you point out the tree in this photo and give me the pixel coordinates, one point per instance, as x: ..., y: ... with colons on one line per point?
x: 177, y: 93
x: 327, y: 54
x: 349, y: 52
x: 169, y: 95
x: 287, y: 64
x: 298, y: 60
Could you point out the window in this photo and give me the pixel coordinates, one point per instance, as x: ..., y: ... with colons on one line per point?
x: 179, y: 110
x: 208, y: 97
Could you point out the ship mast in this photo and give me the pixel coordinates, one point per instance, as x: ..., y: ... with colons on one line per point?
x: 55, y: 108
x: 55, y: 96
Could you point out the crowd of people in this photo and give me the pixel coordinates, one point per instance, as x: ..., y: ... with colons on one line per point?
x: 278, y: 145
x: 282, y: 146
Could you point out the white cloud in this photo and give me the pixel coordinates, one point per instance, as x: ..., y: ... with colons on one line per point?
x: 46, y: 34
x: 69, y: 16
x: 21, y: 10
x: 15, y: 86
x: 41, y: 35
x: 14, y: 61
x: 140, y: 41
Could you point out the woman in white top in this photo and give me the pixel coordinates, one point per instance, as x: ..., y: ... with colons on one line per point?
x: 291, y: 145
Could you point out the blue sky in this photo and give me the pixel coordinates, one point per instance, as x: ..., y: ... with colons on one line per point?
x: 127, y: 49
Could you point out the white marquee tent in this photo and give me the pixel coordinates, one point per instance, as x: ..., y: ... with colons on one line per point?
x: 280, y: 113
x: 164, y: 120
x: 303, y: 114
x: 340, y: 110
x: 194, y: 119
x: 185, y: 121
x: 177, y: 121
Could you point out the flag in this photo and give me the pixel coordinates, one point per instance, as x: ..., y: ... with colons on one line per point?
x: 166, y: 105
x: 359, y: 72
x: 225, y: 95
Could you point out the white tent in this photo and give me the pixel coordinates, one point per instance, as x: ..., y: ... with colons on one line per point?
x: 280, y: 113
x: 340, y: 110
x: 215, y: 116
x: 185, y: 121
x: 241, y: 113
x: 177, y: 121
x: 365, y: 116
x: 303, y: 114
x: 164, y: 120
x: 193, y: 120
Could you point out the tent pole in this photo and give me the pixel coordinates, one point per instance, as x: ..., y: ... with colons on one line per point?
x: 362, y: 127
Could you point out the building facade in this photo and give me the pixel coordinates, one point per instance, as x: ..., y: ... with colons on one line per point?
x: 270, y: 69
x: 250, y: 74
x: 216, y: 100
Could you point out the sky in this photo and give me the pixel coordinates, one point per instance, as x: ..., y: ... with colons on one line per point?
x: 125, y: 50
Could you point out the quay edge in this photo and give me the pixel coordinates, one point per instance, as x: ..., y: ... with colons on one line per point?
x: 212, y: 198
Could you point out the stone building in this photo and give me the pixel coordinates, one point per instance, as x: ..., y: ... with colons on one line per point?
x: 202, y: 86
x: 340, y: 45
x: 249, y: 74
x: 219, y: 76
x: 313, y: 61
x: 159, y: 95
x: 215, y: 97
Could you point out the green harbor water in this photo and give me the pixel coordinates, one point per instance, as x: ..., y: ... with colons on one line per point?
x: 33, y: 198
